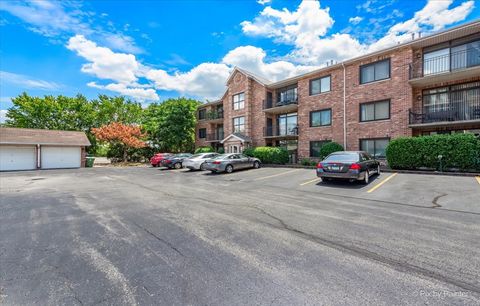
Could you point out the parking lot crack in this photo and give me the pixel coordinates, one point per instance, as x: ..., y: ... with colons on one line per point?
x: 398, y: 265
x: 435, y: 200
x: 160, y: 239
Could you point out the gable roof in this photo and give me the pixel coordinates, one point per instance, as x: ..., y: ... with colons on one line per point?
x: 257, y: 78
x: 238, y: 136
x: 43, y: 137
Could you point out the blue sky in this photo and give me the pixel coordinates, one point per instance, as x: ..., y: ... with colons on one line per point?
x: 152, y: 50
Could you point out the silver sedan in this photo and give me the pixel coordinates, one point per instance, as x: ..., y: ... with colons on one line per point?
x: 233, y: 161
x: 197, y: 161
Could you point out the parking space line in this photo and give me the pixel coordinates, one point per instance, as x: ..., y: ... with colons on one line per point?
x: 478, y: 179
x: 382, y: 182
x: 278, y: 174
x: 311, y: 181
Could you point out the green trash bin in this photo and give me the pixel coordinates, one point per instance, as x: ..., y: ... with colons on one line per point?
x: 89, y: 161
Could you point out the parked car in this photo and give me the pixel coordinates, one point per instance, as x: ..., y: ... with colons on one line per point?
x: 156, y: 159
x: 175, y: 161
x: 198, y: 161
x: 230, y: 162
x: 351, y: 165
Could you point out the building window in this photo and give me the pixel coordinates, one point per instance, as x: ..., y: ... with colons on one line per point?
x: 320, y: 85
x: 202, y: 133
x: 375, y: 147
x: 202, y: 114
x: 452, y: 58
x: 287, y: 95
x: 315, y: 147
x: 375, y: 71
x: 378, y: 110
x: 239, y: 101
x: 321, y: 118
x: 239, y: 125
x: 287, y: 124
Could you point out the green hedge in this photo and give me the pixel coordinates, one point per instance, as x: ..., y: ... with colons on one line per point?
x: 329, y: 148
x: 268, y: 155
x: 460, y: 151
x: 206, y: 149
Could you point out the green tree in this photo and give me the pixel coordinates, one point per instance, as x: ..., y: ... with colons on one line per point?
x: 171, y: 124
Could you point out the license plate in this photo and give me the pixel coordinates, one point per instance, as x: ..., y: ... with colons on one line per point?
x: 335, y: 168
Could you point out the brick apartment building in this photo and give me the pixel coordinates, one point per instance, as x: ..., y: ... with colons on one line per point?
x: 426, y: 86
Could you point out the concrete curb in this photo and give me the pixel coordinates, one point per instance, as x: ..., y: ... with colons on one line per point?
x: 470, y: 174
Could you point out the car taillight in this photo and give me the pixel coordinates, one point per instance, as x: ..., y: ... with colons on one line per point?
x: 216, y: 162
x: 355, y: 167
x: 319, y: 166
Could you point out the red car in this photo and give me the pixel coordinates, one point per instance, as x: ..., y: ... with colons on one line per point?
x: 157, y: 159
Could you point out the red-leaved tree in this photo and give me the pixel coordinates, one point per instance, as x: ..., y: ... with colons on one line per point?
x: 129, y: 136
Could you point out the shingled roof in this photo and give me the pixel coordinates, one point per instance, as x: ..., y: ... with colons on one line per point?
x: 43, y: 137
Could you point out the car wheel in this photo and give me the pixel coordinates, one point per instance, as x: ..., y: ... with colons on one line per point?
x: 378, y: 170
x: 229, y: 169
x: 367, y: 177
x: 256, y: 165
x: 177, y: 166
x: 202, y: 166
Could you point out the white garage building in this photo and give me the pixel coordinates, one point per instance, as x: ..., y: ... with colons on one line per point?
x: 30, y: 149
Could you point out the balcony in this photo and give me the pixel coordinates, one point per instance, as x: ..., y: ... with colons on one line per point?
x: 279, y: 107
x: 276, y: 132
x: 212, y: 116
x: 215, y: 137
x: 447, y: 114
x: 457, y: 65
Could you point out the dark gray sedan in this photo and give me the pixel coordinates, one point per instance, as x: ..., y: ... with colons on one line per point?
x: 230, y: 162
x: 351, y: 165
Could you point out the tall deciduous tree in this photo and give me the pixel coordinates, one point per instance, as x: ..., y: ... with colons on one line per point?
x: 128, y: 136
x: 171, y: 124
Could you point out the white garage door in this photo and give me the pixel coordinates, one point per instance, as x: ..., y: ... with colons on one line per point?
x: 60, y: 157
x: 17, y: 158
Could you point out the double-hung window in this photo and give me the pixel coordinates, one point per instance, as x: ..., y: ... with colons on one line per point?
x: 202, y: 114
x: 375, y: 71
x: 239, y: 124
x: 239, y: 101
x: 372, y: 111
x: 321, y: 118
x: 375, y: 147
x: 315, y: 147
x: 320, y: 85
x: 202, y: 133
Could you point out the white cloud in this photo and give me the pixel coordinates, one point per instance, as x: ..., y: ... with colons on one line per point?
x: 59, y: 20
x: 27, y: 82
x: 355, y: 20
x: 307, y: 28
x: 141, y: 94
x: 263, y: 2
x: 3, y: 115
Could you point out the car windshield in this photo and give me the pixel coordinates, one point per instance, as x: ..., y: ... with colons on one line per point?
x: 342, y: 158
x: 182, y: 155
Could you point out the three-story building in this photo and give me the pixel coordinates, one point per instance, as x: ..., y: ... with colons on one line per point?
x: 426, y: 86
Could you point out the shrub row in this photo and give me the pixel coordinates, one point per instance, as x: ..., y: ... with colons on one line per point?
x: 206, y: 149
x: 459, y: 151
x: 268, y: 155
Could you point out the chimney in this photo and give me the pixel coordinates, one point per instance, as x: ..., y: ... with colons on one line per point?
x: 331, y: 62
x: 419, y: 34
x: 413, y: 36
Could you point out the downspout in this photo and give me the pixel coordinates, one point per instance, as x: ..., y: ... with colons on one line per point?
x: 344, y: 110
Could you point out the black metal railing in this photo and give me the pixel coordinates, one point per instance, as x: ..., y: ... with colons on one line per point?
x: 213, y: 115
x: 271, y: 131
x: 447, y: 63
x: 270, y: 104
x: 447, y: 112
x: 215, y: 136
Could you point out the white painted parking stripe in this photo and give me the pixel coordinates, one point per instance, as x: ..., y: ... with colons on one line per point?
x: 478, y: 179
x: 278, y: 174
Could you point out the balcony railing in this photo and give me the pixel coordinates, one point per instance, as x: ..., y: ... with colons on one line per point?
x: 447, y: 112
x: 454, y: 61
x: 270, y: 104
x: 212, y: 115
x: 271, y: 131
x: 215, y: 136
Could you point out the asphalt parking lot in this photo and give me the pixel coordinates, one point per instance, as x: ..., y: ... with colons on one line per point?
x: 277, y: 236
